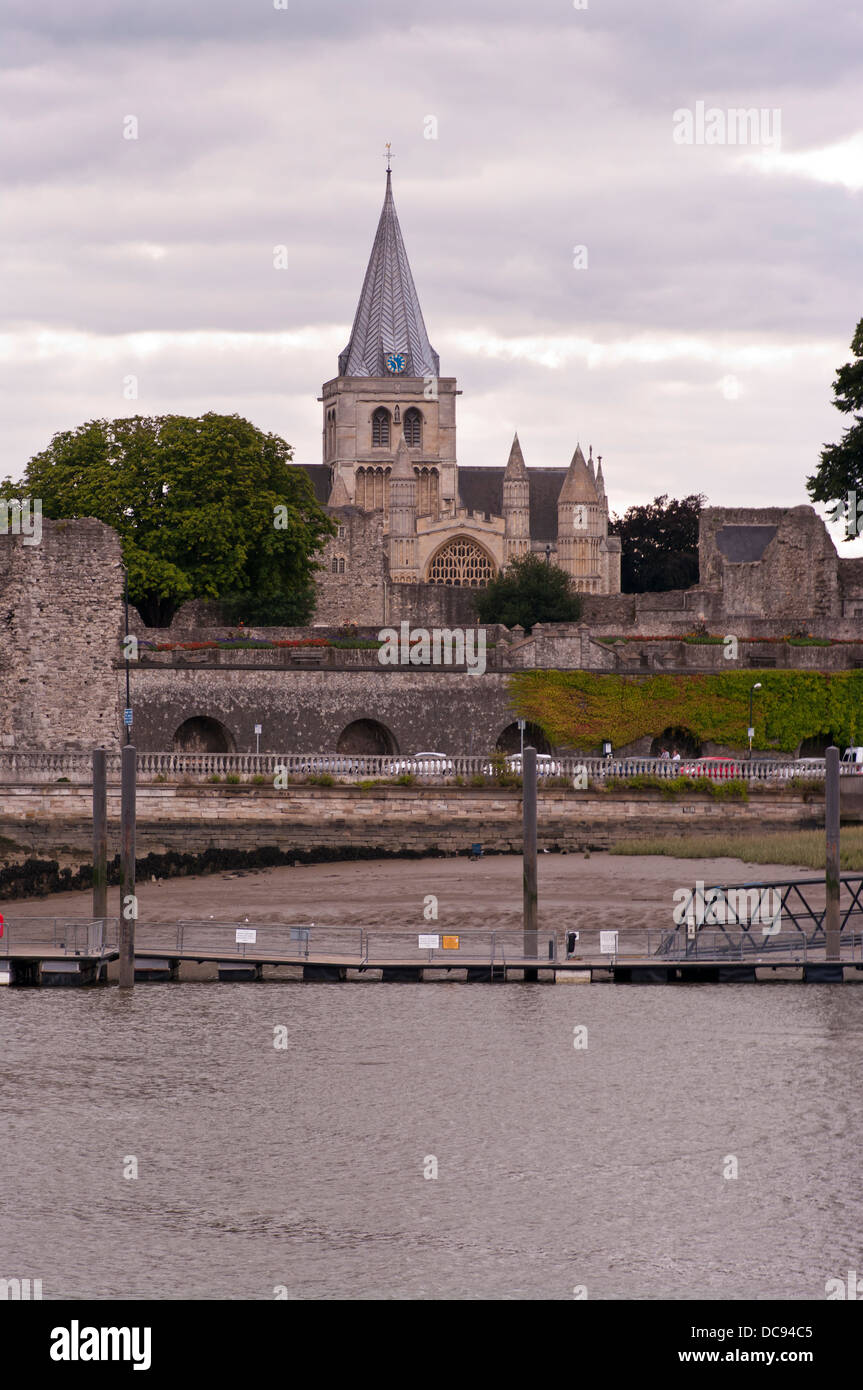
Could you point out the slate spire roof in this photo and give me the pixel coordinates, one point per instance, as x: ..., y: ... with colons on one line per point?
x: 388, y: 317
x: 515, y: 467
x: 578, y: 485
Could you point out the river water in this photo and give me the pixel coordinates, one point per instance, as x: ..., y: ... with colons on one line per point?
x: 301, y: 1168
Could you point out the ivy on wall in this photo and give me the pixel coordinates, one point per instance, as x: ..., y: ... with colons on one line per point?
x: 578, y: 709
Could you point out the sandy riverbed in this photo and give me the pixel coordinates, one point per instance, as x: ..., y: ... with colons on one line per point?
x: 602, y: 890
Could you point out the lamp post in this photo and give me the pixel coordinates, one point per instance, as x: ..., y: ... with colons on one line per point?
x: 750, y: 730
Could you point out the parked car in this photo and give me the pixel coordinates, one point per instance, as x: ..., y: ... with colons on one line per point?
x: 717, y: 769
x: 422, y: 765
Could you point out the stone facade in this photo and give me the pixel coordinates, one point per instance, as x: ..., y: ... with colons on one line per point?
x: 61, y: 625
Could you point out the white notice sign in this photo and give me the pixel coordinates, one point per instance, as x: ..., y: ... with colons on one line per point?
x: 247, y: 935
x: 608, y: 943
x: 429, y: 943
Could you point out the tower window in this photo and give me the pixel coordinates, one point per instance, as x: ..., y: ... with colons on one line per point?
x: 381, y: 429
x: 413, y: 428
x: 338, y: 564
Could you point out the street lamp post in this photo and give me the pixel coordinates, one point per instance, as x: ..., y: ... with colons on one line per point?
x: 751, y: 730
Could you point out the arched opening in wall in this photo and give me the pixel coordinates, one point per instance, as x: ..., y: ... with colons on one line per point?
x: 203, y: 735
x: 461, y: 562
x: 509, y: 739
x: 683, y: 740
x: 366, y: 736
x: 816, y: 747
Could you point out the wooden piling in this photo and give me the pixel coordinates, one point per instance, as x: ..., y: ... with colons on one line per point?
x: 100, y: 835
x: 128, y: 902
x: 528, y: 777
x: 831, y: 818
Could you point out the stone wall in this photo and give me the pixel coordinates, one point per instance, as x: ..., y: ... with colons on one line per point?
x: 54, y: 822
x: 61, y: 625
x: 422, y: 710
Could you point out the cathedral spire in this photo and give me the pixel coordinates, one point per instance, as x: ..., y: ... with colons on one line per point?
x: 388, y: 322
x: 578, y: 485
x: 515, y: 467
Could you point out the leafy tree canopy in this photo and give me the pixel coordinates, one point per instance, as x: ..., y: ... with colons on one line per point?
x: 528, y: 591
x: 841, y: 468
x: 659, y: 544
x: 204, y: 507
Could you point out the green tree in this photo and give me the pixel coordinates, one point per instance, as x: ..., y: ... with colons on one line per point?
x: 205, y: 508
x: 528, y: 591
x: 659, y: 544
x: 841, y: 468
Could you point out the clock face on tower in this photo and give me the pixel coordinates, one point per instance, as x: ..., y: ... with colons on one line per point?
x: 396, y: 362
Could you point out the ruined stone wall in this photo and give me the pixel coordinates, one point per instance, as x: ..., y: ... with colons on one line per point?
x: 358, y: 594
x: 61, y: 624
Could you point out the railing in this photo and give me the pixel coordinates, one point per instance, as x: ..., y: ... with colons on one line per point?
x: 40, y: 767
x: 71, y: 936
x: 775, y: 916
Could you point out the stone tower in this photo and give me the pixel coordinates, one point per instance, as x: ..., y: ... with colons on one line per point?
x: 389, y: 389
x: 516, y: 505
x: 403, y: 518
x: 582, y: 526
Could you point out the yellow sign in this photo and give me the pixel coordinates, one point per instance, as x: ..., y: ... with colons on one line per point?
x: 449, y: 943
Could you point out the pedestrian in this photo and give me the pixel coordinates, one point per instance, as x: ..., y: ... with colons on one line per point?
x: 675, y: 757
x: 665, y: 756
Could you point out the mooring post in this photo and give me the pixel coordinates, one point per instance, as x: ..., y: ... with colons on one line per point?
x: 528, y: 778
x: 100, y: 836
x: 128, y: 902
x: 831, y: 818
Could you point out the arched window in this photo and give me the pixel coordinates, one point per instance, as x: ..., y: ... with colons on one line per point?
x: 413, y: 428
x: 338, y: 564
x: 462, y: 563
x: 381, y: 428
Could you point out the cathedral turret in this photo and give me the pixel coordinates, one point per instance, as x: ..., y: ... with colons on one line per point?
x: 403, y: 517
x: 516, y: 505
x: 581, y: 526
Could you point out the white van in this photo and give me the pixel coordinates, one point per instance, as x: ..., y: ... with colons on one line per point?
x: 855, y: 756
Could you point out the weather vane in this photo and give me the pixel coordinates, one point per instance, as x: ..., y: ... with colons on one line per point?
x: 388, y: 156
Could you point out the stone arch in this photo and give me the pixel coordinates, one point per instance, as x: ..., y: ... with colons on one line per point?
x: 509, y: 739
x: 366, y: 736
x: 461, y: 562
x: 202, y: 734
x: 684, y: 740
x: 817, y: 745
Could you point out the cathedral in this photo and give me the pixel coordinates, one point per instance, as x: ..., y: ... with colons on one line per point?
x: 412, y: 522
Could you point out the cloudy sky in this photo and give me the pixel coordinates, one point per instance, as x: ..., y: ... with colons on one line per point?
x: 696, y: 348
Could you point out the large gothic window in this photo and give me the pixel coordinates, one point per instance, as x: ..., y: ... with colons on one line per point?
x: 461, y: 562
x: 381, y: 428
x: 413, y: 428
